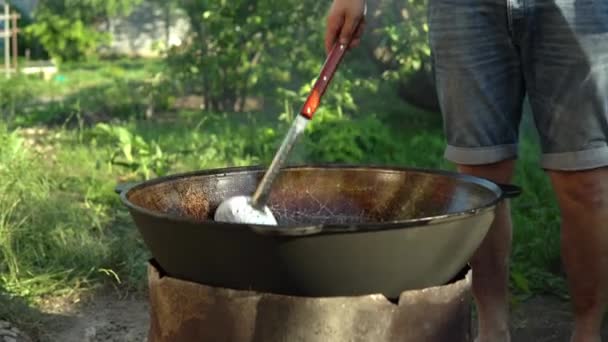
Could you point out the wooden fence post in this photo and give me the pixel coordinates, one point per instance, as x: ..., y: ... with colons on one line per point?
x: 15, y: 31
x: 7, y: 51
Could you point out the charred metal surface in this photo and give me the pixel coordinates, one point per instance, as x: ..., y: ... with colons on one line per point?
x: 185, y: 311
x: 322, y: 195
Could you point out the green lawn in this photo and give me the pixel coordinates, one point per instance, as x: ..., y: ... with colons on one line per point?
x: 63, y: 230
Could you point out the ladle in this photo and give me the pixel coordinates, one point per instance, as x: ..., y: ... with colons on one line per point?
x: 253, y: 209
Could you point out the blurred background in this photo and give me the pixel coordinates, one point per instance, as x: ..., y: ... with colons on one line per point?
x: 108, y: 91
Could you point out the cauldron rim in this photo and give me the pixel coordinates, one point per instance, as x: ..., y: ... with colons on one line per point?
x: 325, y: 228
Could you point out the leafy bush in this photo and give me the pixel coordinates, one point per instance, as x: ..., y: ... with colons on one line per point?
x: 67, y: 29
x: 238, y: 47
x: 268, y: 49
x: 132, y: 151
x: 341, y: 140
x: 65, y: 38
x: 399, y: 37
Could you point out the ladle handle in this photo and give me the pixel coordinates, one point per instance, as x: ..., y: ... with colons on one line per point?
x: 260, y: 196
x: 328, y: 71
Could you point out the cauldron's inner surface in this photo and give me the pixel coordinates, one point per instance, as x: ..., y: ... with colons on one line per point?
x: 321, y: 195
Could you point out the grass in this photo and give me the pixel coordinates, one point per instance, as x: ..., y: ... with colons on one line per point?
x: 536, y: 266
x: 63, y: 230
x: 122, y: 88
x: 57, y: 227
x: 74, y: 77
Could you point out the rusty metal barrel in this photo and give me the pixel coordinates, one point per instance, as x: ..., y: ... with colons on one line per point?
x: 183, y: 311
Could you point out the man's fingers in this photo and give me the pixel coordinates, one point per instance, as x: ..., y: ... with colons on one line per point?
x: 354, y: 43
x: 360, y: 29
x: 358, y: 34
x: 342, y: 24
x: 348, y: 29
x: 334, y: 23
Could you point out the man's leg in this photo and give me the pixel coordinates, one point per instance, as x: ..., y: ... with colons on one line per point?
x: 583, y: 201
x: 490, y: 263
x: 480, y: 88
x: 565, y: 63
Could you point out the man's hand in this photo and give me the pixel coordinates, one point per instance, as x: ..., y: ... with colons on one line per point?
x: 342, y: 21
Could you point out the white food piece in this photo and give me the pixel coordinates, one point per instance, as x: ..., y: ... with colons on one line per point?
x: 239, y: 210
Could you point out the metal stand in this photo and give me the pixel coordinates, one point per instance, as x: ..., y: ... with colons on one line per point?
x: 185, y: 311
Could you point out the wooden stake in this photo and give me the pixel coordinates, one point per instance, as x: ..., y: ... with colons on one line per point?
x: 7, y: 48
x: 15, y: 46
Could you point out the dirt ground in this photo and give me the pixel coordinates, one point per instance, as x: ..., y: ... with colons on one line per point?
x: 107, y: 318
x: 112, y: 318
x: 544, y: 319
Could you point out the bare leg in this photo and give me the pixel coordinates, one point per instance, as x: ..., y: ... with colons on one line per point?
x: 490, y: 263
x: 583, y: 201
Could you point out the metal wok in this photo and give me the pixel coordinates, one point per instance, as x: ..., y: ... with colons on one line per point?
x: 343, y: 230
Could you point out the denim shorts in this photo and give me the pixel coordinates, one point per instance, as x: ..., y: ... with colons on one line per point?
x: 488, y: 55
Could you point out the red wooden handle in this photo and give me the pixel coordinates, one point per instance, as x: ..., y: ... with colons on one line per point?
x: 327, y: 73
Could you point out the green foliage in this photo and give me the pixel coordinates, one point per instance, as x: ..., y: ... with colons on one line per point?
x: 342, y: 140
x: 85, y: 93
x: 536, y: 259
x: 56, y: 231
x: 401, y: 33
x: 65, y: 38
x: 132, y: 151
x: 14, y: 92
x: 26, y: 207
x: 67, y: 29
x: 242, y: 49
